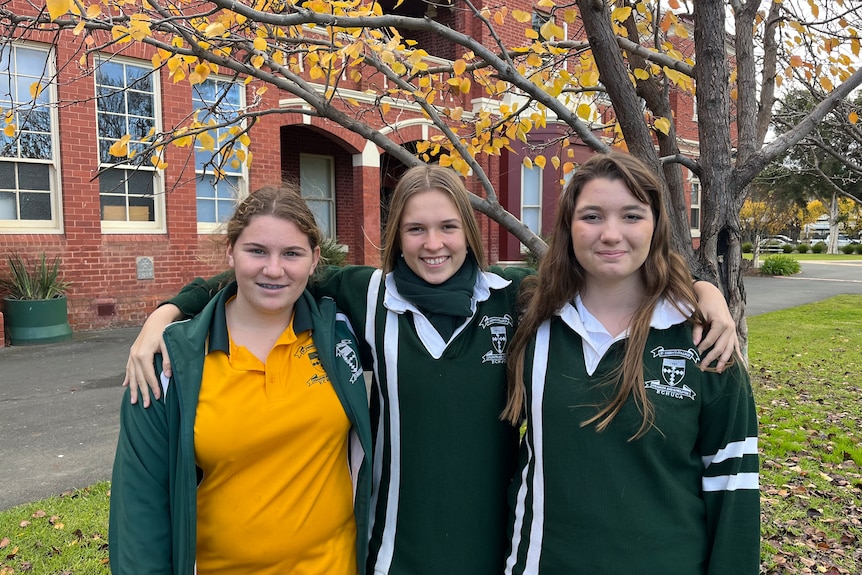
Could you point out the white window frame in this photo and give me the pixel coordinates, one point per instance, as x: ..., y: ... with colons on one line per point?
x: 316, y: 200
x: 131, y: 226
x: 240, y: 189
x: 54, y: 225
x: 695, y: 205
x: 537, y: 207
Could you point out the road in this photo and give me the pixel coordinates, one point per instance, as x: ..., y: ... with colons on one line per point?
x: 817, y: 281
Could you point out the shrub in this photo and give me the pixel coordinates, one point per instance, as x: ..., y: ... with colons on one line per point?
x: 787, y: 248
x: 818, y: 248
x: 859, y: 248
x: 848, y: 249
x: 747, y: 247
x: 780, y: 265
x: 803, y: 248
x: 332, y: 254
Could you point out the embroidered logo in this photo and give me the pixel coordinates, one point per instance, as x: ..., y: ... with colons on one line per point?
x: 499, y: 337
x: 345, y: 351
x: 673, y: 372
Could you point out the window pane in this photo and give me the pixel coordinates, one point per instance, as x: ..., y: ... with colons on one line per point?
x: 142, y: 209
x: 225, y: 209
x: 113, y: 208
x: 112, y: 126
x: 532, y: 186
x: 320, y: 209
x: 695, y: 217
x: 35, y: 206
x: 7, y: 175
x: 8, y: 209
x: 314, y: 177
x: 228, y: 187
x: 205, y: 187
x: 33, y: 177
x: 141, y: 182
x: 531, y: 219
x: 110, y: 74
x: 110, y: 101
x: 30, y: 61
x: 139, y: 78
x: 112, y: 182
x: 206, y: 211
x: 140, y: 103
x: 36, y: 146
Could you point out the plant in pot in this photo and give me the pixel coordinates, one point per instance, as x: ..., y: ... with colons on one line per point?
x: 34, y: 300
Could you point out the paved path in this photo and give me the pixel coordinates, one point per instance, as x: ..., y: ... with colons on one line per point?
x: 59, y: 413
x: 59, y: 402
x: 817, y: 281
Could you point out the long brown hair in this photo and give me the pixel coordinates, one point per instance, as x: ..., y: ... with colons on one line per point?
x: 561, y: 277
x: 424, y: 178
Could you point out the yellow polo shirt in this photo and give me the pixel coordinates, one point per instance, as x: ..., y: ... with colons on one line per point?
x: 272, y: 441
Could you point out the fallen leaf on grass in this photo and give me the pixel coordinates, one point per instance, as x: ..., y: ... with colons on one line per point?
x: 4, y: 543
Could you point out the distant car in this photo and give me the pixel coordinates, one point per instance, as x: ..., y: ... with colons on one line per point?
x: 842, y: 240
x: 774, y: 243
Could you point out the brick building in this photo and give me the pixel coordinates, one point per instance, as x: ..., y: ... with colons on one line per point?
x: 130, y: 238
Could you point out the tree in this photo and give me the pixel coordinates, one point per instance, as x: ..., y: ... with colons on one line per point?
x: 610, y: 80
x: 824, y: 165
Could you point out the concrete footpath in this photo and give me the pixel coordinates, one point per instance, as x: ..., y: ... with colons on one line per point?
x: 59, y: 403
x: 59, y: 413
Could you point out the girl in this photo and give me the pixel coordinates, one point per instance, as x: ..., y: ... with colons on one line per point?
x: 244, y: 464
x: 634, y: 460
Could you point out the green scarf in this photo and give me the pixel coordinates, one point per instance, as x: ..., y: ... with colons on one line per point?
x: 445, y: 305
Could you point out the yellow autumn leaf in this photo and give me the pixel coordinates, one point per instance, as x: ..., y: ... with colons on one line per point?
x: 531, y: 34
x: 796, y: 61
x: 585, y: 112
x: 662, y: 125
x: 528, y: 163
x: 521, y: 16
x: 826, y: 83
x: 641, y: 74
x: 680, y: 31
x: 853, y: 117
x: 260, y: 44
x: 384, y: 107
x: 57, y: 8
x: 36, y: 89
x: 456, y: 113
x: 621, y: 14
x: 465, y: 85
x: 459, y: 66
x: 589, y: 78
x: 9, y: 130
x: 158, y: 162
x: 120, y: 148
x: 93, y: 10
x: 540, y: 161
x: 206, y: 141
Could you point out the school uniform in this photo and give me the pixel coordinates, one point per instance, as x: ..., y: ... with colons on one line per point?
x: 681, y: 500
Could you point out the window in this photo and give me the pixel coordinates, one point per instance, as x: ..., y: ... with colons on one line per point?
x: 317, y: 181
x: 28, y: 160
x: 219, y: 100
x: 126, y: 103
x: 695, y: 204
x: 531, y: 198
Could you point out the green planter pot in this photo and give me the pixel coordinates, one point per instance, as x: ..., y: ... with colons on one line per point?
x: 30, y: 322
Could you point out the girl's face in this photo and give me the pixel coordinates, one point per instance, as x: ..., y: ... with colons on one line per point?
x: 611, y: 232
x: 432, y: 236
x: 273, y: 260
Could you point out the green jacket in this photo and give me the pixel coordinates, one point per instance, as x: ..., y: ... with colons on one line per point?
x: 153, y: 493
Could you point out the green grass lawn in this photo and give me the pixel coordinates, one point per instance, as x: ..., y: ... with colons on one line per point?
x: 806, y: 370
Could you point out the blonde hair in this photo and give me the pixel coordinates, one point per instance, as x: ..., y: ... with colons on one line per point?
x: 561, y: 277
x: 424, y: 178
